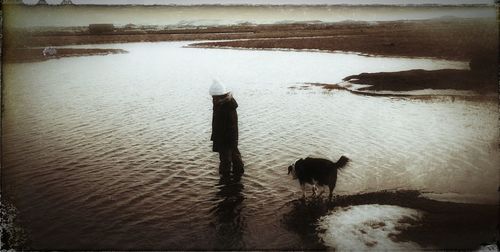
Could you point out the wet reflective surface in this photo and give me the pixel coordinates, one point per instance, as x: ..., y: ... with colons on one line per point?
x: 229, y: 222
x: 113, y: 152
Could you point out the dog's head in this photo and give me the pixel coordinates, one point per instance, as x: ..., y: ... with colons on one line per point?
x: 291, y: 169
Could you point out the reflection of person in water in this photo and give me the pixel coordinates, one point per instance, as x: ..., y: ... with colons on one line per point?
x: 225, y: 130
x: 229, y: 222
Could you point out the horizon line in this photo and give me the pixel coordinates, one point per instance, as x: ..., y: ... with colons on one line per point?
x: 257, y: 5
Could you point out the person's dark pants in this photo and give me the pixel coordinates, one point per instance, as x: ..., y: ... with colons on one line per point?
x: 230, y: 156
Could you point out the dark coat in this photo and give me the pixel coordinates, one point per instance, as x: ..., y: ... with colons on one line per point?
x: 224, y: 124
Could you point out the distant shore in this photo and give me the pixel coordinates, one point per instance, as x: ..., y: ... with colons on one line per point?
x: 471, y: 40
x: 24, y: 55
x: 453, y: 39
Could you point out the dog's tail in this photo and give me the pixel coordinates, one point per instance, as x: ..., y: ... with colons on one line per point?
x: 342, y: 162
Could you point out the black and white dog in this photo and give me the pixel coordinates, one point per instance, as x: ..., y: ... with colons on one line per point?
x: 317, y: 171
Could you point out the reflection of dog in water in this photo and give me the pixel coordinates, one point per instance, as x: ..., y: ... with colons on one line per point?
x: 317, y: 171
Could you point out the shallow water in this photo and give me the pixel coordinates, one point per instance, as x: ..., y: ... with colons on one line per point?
x: 113, y: 152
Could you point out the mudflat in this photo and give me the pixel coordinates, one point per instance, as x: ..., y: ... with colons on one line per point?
x: 470, y: 40
x: 454, y: 39
x: 482, y: 82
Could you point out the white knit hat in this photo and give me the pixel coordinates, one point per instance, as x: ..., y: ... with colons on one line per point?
x: 217, y: 88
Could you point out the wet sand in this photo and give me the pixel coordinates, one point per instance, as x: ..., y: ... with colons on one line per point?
x: 421, y: 79
x: 402, y: 83
x: 444, y: 226
x: 454, y: 39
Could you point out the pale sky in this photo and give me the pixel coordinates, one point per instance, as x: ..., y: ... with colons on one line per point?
x: 191, y: 2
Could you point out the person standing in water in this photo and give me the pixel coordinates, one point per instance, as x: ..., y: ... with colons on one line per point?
x: 225, y: 130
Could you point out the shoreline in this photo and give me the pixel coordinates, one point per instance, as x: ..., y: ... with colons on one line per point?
x: 434, y: 38
x: 444, y: 225
x: 443, y: 39
x: 417, y: 94
x: 29, y: 55
x: 280, y: 49
x: 481, y: 82
x: 460, y: 39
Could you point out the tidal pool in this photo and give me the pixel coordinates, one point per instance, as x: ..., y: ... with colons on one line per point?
x: 114, y: 152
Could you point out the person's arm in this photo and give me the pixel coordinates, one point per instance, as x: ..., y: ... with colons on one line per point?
x: 213, y: 127
x: 232, y: 127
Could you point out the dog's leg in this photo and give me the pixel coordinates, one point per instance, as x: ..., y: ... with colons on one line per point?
x: 322, y: 190
x: 331, y: 192
x: 333, y: 182
x: 303, y: 187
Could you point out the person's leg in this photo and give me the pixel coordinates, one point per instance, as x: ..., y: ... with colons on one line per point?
x: 237, y: 162
x: 225, y: 161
